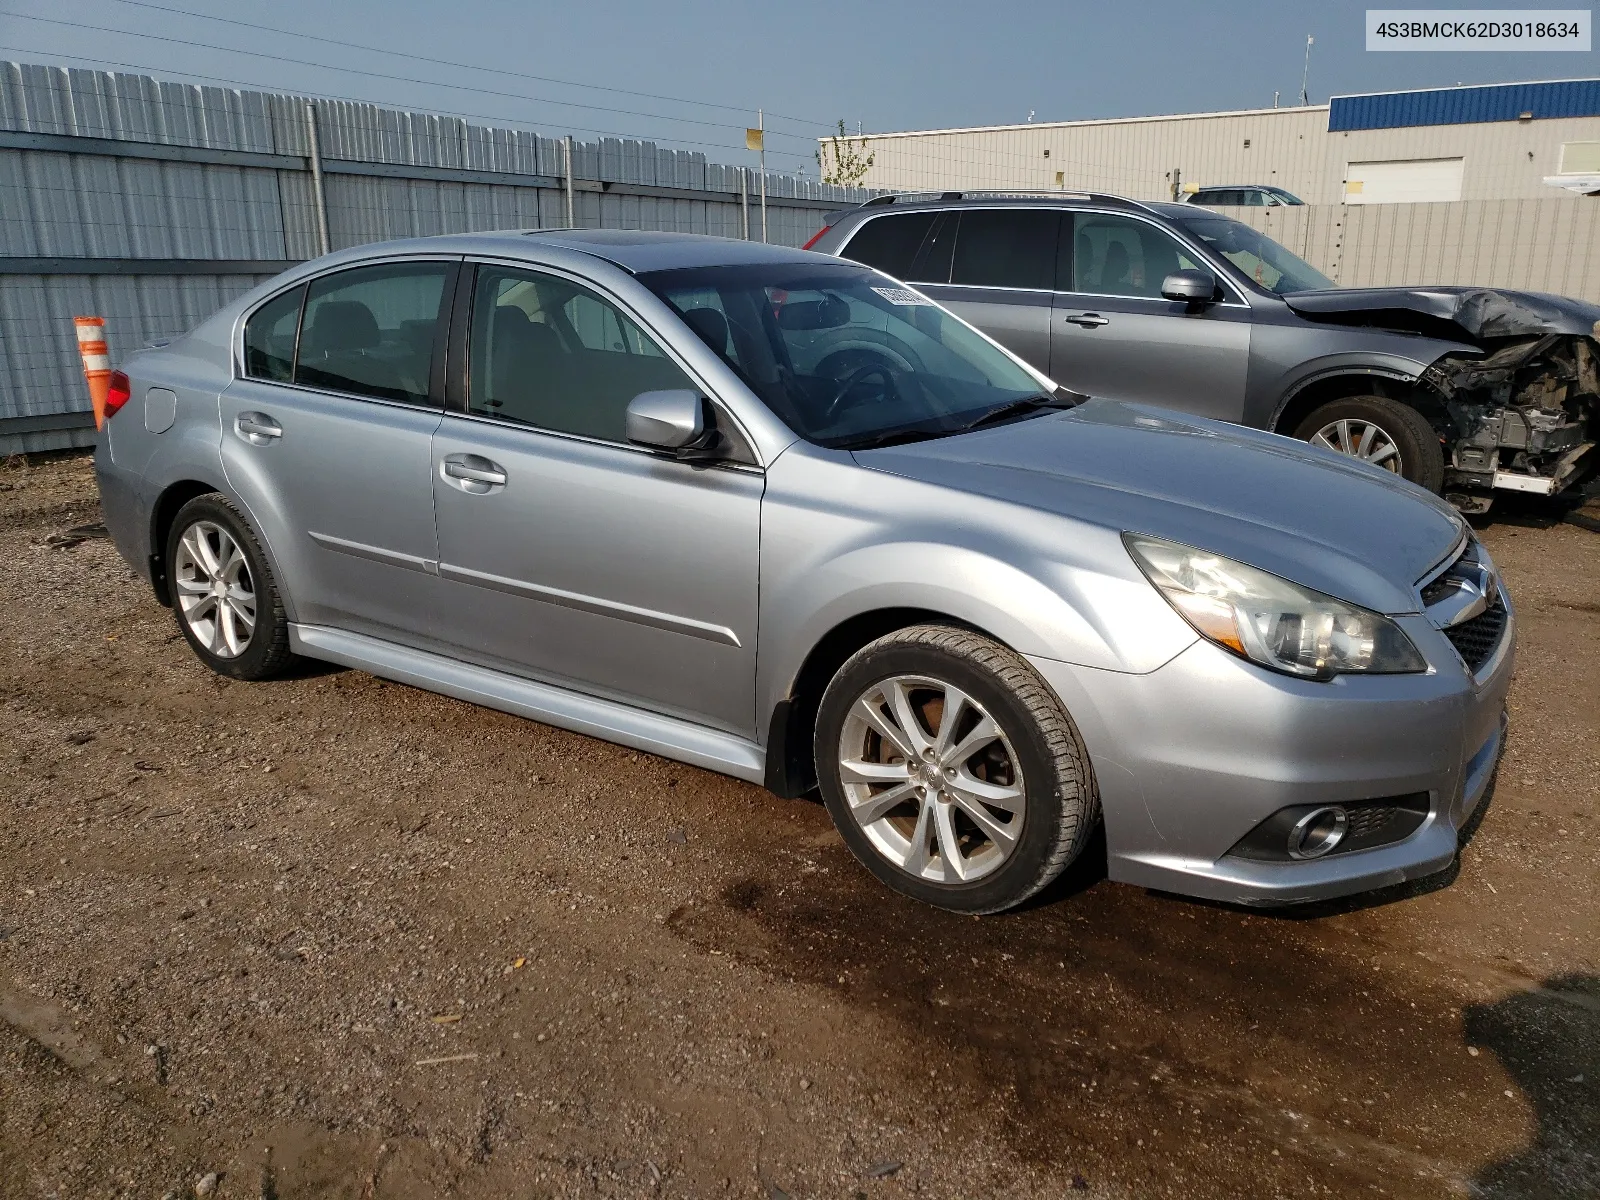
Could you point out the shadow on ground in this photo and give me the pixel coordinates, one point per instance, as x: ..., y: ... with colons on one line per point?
x: 1548, y: 1040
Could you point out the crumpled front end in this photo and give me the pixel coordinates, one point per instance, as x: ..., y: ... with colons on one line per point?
x: 1526, y: 417
x: 1524, y: 414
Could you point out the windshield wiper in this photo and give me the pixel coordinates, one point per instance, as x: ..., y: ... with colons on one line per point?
x: 892, y: 437
x: 1016, y: 408
x: 1062, y: 398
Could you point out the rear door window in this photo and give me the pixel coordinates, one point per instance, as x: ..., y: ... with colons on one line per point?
x: 370, y: 331
x: 891, y: 243
x: 1009, y: 248
x: 269, y: 337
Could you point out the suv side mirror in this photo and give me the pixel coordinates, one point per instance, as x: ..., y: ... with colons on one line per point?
x: 1192, y: 287
x: 673, y: 420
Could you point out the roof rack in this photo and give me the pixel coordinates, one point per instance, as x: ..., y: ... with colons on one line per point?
x: 965, y: 193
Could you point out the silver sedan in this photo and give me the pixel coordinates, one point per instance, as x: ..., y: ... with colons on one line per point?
x: 778, y: 515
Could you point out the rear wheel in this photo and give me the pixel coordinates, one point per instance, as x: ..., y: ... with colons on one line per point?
x: 952, y: 771
x: 1386, y: 433
x: 223, y: 594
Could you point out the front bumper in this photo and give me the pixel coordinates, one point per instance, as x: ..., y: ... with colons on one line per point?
x: 1191, y: 757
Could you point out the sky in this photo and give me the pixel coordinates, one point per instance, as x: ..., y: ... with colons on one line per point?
x: 692, y: 73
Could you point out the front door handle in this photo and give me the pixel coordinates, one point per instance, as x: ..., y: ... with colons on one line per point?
x: 474, y: 473
x: 257, y: 428
x: 1087, y: 320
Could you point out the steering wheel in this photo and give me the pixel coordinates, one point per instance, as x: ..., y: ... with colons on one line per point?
x: 848, y: 384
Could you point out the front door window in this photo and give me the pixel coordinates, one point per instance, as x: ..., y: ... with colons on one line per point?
x: 552, y: 354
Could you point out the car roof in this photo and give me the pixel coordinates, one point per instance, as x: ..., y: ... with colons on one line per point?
x: 634, y: 250
x: 984, y: 198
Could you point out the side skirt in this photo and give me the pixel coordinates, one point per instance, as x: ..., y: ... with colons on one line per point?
x: 669, y: 737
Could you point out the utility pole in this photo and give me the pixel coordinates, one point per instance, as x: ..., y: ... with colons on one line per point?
x: 1305, y: 97
x: 761, y: 124
x: 1177, y: 184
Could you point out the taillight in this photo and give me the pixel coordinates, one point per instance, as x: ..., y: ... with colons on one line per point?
x: 119, y: 393
x: 816, y: 236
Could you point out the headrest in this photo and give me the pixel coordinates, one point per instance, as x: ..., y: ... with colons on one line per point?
x: 710, y: 325
x: 343, y: 325
x: 509, y: 321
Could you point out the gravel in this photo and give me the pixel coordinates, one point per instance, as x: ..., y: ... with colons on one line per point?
x: 230, y: 915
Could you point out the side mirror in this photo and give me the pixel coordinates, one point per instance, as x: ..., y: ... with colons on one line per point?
x: 1192, y: 287
x: 672, y: 420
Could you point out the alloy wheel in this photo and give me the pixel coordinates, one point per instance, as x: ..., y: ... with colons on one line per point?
x: 1360, y: 439
x: 931, y: 779
x: 214, y: 590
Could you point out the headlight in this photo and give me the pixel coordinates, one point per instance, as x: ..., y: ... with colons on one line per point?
x: 1269, y: 620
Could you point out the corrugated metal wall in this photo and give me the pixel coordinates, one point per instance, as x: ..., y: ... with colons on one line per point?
x: 1532, y: 245
x: 196, y: 194
x: 1289, y: 147
x: 1466, y: 105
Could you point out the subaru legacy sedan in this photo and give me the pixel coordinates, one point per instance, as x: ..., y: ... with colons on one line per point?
x: 774, y: 514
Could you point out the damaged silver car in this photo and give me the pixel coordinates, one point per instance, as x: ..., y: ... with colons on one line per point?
x: 1466, y: 391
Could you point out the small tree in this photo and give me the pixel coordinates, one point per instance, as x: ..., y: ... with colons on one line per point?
x: 841, y: 161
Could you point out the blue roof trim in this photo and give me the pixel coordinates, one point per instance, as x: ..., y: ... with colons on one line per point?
x: 1466, y: 105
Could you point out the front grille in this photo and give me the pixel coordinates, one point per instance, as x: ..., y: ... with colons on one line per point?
x: 1476, y: 640
x: 1367, y: 822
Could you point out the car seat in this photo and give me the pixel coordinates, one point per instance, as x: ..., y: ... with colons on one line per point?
x: 336, y: 352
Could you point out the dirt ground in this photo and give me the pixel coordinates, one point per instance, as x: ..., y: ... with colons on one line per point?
x: 331, y: 936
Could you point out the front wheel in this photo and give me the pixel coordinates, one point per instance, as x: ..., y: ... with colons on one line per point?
x: 952, y: 771
x: 1380, y: 431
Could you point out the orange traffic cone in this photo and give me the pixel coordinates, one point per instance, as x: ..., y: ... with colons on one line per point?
x: 96, y: 363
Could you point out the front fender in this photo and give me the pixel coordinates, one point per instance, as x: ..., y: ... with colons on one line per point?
x: 1043, y: 586
x: 1285, y: 359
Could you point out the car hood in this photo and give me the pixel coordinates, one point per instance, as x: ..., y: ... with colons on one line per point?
x: 1482, y: 314
x: 1320, y: 519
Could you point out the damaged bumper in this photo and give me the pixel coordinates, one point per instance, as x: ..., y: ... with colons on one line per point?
x: 1524, y: 414
x: 1526, y: 417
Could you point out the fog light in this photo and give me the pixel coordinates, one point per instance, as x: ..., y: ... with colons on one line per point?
x: 1318, y: 832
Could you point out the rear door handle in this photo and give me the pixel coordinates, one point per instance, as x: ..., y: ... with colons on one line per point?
x: 1087, y: 320
x: 257, y: 428
x: 474, y: 473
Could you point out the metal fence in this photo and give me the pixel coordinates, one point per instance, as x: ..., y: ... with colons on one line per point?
x: 152, y: 204
x: 1531, y: 245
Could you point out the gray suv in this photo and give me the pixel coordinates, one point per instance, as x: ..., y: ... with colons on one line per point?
x: 1462, y: 390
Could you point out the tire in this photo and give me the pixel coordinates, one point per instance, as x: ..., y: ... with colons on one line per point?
x: 216, y: 626
x: 1035, y: 766
x: 1418, y: 452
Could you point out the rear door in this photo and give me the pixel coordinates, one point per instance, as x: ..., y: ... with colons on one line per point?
x: 326, y: 436
x: 1114, y: 335
x: 994, y: 267
x: 1001, y: 271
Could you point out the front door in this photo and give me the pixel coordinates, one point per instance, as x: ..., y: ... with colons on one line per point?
x: 568, y: 554
x: 327, y: 438
x: 1113, y: 335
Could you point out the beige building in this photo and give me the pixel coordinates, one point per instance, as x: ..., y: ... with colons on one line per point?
x: 1504, y: 142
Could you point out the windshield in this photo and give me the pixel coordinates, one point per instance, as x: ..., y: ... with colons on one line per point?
x: 845, y: 356
x: 1261, y: 259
